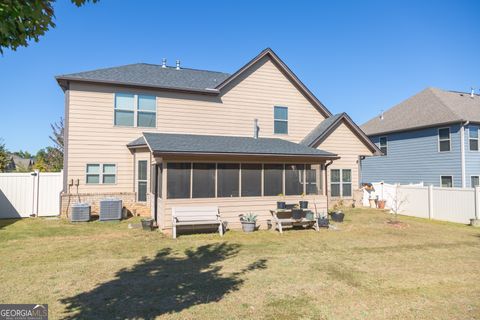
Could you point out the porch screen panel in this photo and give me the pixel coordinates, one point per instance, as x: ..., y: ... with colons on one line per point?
x: 203, y: 180
x: 178, y: 180
x: 228, y: 179
x: 294, y: 179
x: 273, y: 179
x: 313, y: 179
x: 251, y: 180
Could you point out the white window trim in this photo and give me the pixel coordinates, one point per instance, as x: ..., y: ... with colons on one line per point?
x: 451, y: 176
x: 100, y: 174
x: 380, y: 144
x: 135, y: 110
x: 142, y: 180
x: 341, y: 183
x: 449, y: 139
x: 283, y: 120
x: 478, y: 176
x: 470, y: 138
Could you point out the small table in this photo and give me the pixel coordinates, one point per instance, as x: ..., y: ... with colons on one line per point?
x: 289, y: 220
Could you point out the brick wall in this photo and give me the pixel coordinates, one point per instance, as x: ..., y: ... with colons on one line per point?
x: 128, y: 202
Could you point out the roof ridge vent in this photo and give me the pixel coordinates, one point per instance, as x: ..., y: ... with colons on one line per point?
x: 164, y: 63
x: 472, y: 92
x: 381, y: 115
x: 178, y: 65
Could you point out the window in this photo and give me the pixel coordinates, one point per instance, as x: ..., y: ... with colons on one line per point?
x: 251, y: 180
x: 383, y: 145
x: 101, y: 174
x: 280, y: 117
x: 142, y: 181
x: 273, y: 179
x: 147, y: 111
x: 294, y: 179
x: 228, y: 179
x: 446, y: 181
x: 133, y: 110
x: 93, y: 173
x: 313, y: 182
x: 341, y: 182
x: 444, y: 139
x: 203, y: 185
x: 178, y: 180
x: 473, y: 138
x: 475, y: 181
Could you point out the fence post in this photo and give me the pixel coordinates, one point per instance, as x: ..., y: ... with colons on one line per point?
x: 477, y: 202
x: 430, y: 202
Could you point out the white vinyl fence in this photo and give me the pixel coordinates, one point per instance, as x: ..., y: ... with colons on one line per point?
x: 446, y: 204
x: 25, y: 194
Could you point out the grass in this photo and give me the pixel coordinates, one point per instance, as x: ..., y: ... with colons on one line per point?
x: 367, y: 269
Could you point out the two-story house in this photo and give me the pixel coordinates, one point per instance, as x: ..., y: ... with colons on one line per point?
x: 158, y: 137
x: 431, y: 137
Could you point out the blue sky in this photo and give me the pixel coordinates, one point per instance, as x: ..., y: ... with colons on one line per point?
x: 356, y: 56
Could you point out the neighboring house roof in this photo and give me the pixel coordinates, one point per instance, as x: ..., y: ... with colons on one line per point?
x: 188, y: 80
x: 327, y: 126
x: 430, y: 107
x: 171, y: 143
x: 19, y: 162
x: 152, y: 75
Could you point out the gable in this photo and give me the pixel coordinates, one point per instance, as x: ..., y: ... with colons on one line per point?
x: 344, y: 141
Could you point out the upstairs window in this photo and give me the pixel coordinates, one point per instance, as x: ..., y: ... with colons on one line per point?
x: 133, y: 110
x: 473, y: 138
x: 383, y: 145
x: 444, y: 139
x: 280, y: 117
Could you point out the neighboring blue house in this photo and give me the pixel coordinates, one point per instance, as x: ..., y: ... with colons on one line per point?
x: 431, y: 137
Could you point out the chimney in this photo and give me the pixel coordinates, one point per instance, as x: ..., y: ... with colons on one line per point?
x: 164, y: 63
x: 178, y: 65
x: 472, y: 92
x: 255, y: 129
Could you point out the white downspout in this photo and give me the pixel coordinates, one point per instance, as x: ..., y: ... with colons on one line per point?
x: 462, y: 152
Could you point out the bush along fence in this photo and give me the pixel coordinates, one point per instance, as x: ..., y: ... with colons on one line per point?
x: 459, y: 205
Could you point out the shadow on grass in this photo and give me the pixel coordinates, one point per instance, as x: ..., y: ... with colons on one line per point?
x: 163, y: 284
x: 7, y: 222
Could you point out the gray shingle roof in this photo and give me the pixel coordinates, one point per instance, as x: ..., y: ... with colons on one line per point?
x: 429, y: 107
x: 151, y: 75
x: 319, y: 131
x: 205, y: 144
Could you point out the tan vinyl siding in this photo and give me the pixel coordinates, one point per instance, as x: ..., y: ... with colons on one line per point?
x: 348, y: 146
x: 92, y: 137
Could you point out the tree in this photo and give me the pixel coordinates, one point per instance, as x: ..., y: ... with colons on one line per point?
x: 23, y: 154
x: 57, y: 135
x: 51, y: 158
x: 4, y: 157
x: 24, y: 20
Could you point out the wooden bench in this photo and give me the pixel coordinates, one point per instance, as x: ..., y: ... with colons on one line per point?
x: 190, y: 216
x: 281, y: 221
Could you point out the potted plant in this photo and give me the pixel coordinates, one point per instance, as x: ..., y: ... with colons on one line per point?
x: 303, y: 203
x: 281, y: 204
x: 323, y: 221
x: 147, y: 224
x: 297, y: 214
x: 337, y: 214
x: 381, y: 204
x: 249, y: 222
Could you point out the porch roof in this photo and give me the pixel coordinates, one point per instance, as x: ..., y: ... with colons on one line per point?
x: 189, y: 144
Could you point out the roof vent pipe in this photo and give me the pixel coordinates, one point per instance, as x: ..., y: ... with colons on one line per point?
x: 472, y: 92
x: 164, y: 63
x: 178, y: 65
x: 381, y: 115
x: 255, y: 129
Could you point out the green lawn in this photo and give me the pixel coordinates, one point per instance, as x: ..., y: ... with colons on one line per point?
x: 367, y: 269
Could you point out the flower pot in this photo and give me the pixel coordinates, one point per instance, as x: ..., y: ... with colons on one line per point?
x: 297, y: 214
x: 303, y: 204
x: 323, y: 222
x: 281, y: 205
x: 337, y: 216
x: 381, y: 204
x: 147, y: 224
x: 248, y: 226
